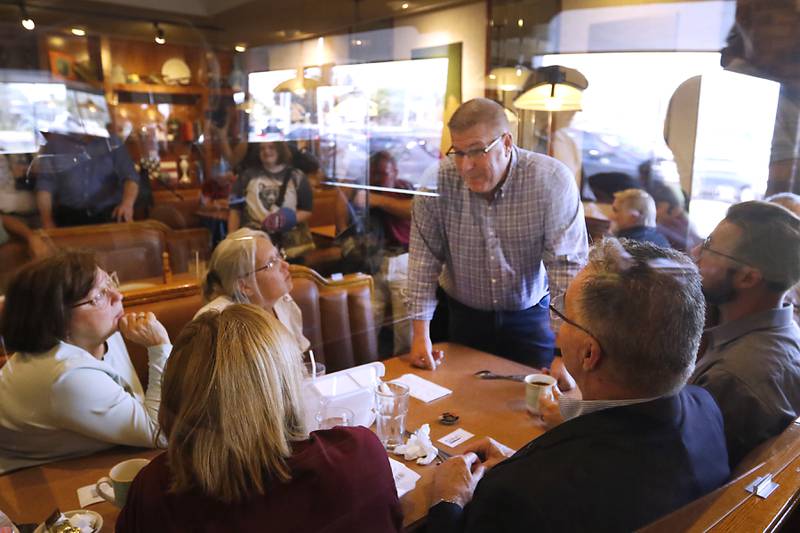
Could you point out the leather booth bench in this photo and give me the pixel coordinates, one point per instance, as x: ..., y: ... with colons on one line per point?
x: 337, y: 316
x: 134, y: 250
x: 732, y: 508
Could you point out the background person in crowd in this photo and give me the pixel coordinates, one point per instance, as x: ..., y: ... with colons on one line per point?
x: 633, y: 216
x: 381, y: 243
x: 752, y: 364
x: 638, y: 444
x: 239, y: 457
x: 36, y: 245
x: 672, y: 220
x: 270, y: 194
x: 71, y: 389
x: 605, y: 185
x: 84, y: 180
x: 791, y: 202
x: 506, y: 230
x: 247, y: 268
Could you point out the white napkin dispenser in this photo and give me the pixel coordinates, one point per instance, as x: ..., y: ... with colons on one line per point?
x: 353, y: 388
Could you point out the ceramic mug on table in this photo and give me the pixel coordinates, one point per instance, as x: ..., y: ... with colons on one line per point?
x: 120, y: 478
x: 536, y: 387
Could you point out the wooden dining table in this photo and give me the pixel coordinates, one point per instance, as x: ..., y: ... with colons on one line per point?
x: 494, y: 408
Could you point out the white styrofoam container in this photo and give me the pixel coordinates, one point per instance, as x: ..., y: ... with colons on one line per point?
x: 353, y: 388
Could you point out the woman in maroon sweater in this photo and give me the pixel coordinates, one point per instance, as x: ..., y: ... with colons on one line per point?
x: 239, y: 458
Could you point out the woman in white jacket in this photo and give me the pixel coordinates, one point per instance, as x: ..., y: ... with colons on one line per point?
x: 71, y: 389
x: 247, y: 268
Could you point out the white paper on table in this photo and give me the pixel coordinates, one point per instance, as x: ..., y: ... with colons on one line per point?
x: 88, y: 495
x: 456, y: 438
x: 405, y: 479
x: 422, y: 389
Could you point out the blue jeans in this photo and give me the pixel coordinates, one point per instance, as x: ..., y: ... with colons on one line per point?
x: 523, y: 336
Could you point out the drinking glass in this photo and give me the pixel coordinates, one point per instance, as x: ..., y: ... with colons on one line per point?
x: 391, y: 408
x: 330, y: 416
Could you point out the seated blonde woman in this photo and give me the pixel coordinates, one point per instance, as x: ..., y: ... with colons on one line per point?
x: 247, y: 268
x: 70, y: 389
x: 239, y: 457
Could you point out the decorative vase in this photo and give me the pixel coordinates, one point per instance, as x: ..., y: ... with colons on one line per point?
x: 184, y: 166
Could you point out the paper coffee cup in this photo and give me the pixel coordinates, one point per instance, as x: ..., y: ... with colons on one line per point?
x: 537, y: 386
x: 119, y: 479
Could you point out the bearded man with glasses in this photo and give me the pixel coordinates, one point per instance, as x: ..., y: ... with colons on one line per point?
x: 752, y: 364
x: 506, y: 230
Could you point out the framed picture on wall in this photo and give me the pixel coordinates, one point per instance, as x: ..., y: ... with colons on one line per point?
x: 62, y: 65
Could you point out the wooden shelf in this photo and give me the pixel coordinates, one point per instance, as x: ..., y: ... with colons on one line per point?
x: 158, y: 89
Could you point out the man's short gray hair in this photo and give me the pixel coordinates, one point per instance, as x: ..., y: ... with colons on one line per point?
x: 645, y: 306
x: 479, y: 111
x: 639, y: 200
x: 770, y: 241
x: 233, y: 259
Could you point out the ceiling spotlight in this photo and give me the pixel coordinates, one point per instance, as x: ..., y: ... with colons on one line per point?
x: 160, y: 39
x: 240, y: 47
x: 27, y: 21
x: 520, y: 22
x: 404, y: 5
x: 78, y: 32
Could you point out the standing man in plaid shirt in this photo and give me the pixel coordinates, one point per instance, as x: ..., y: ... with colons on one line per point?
x: 506, y: 232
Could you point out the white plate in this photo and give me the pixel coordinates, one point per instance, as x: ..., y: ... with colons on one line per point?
x: 98, y: 520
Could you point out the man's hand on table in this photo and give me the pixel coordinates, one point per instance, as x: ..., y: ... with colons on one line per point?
x: 423, y: 355
x: 490, y: 452
x: 455, y: 480
x: 123, y: 212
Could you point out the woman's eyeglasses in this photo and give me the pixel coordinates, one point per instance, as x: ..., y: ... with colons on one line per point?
x: 103, y: 296
x: 280, y: 256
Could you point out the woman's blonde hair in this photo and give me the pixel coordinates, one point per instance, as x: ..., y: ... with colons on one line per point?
x: 231, y: 403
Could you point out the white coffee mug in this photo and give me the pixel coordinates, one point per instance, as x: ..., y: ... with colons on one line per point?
x: 119, y: 479
x: 536, y: 387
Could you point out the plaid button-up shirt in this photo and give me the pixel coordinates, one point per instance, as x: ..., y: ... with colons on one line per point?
x: 493, y: 255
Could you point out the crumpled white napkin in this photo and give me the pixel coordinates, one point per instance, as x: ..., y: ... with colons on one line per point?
x: 418, y: 446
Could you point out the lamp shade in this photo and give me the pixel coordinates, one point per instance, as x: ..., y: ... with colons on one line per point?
x: 298, y: 86
x: 553, y: 89
x: 550, y: 97
x: 508, y: 78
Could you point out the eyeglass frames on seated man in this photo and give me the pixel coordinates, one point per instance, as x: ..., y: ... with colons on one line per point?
x: 558, y: 307
x: 475, y: 153
x: 102, y: 298
x: 705, y: 246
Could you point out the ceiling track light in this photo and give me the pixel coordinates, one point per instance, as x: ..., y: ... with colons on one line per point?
x: 26, y: 20
x: 160, y: 39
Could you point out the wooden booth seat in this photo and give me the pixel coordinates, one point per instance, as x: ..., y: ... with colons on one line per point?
x: 134, y: 250
x: 337, y: 316
x: 732, y: 508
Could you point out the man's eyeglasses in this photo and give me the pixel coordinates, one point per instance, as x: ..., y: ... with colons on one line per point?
x: 706, y: 247
x: 557, y: 306
x: 280, y: 256
x: 474, y: 153
x: 103, y: 296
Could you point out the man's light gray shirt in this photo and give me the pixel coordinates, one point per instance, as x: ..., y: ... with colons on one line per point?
x: 752, y: 369
x: 497, y: 255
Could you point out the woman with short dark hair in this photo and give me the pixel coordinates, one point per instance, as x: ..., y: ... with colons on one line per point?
x: 239, y: 456
x: 71, y: 389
